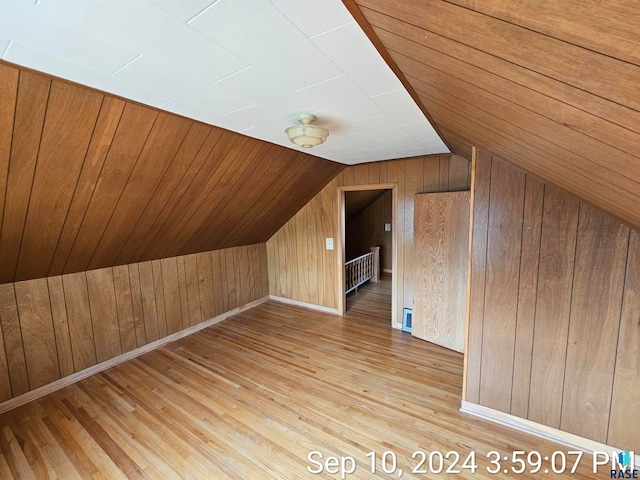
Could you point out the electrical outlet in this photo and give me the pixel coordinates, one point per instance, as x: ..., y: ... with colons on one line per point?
x: 387, y: 227
x: 329, y: 243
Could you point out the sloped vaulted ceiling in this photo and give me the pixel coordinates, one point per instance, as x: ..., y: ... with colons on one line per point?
x: 89, y: 180
x: 552, y: 86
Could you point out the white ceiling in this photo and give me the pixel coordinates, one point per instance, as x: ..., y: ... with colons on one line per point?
x: 245, y: 65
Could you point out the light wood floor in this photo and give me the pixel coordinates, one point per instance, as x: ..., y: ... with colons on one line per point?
x: 371, y: 302
x: 250, y: 398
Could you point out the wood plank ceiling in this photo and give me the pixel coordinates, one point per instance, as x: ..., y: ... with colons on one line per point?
x: 89, y: 180
x: 554, y: 87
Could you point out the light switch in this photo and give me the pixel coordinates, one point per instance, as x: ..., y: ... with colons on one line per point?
x: 329, y: 243
x: 387, y: 227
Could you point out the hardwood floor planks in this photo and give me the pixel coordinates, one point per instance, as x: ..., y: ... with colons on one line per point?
x: 251, y: 397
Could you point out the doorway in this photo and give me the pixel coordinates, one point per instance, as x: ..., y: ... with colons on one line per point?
x: 368, y: 232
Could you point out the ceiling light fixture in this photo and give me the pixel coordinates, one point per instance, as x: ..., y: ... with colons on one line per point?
x: 307, y: 135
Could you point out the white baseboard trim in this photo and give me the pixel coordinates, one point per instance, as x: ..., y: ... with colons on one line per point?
x: 112, y: 362
x: 387, y: 270
x: 548, y: 433
x: 298, y: 303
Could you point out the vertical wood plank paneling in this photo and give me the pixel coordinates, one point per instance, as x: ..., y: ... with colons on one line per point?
x: 443, y: 174
x: 396, y: 174
x: 172, y: 297
x: 133, y: 128
x: 31, y: 105
x: 555, y: 279
x: 38, y: 335
x: 193, y: 289
x: 166, y: 188
x: 160, y: 303
x: 136, y: 304
x: 361, y: 174
x: 60, y: 325
x: 218, y: 282
x: 302, y: 251
x: 413, y: 184
x: 148, y: 294
x: 184, y: 292
x: 624, y: 401
x: 529, y: 256
x: 124, y: 305
x: 263, y: 266
x: 205, y: 285
x: 478, y: 273
x: 272, y: 254
x: 458, y: 173
x: 431, y: 181
x: 313, y: 250
x: 374, y: 173
x: 79, y: 317
x: 501, y: 296
x: 5, y: 381
x: 55, y: 326
x: 68, y: 126
x: 159, y: 150
x: 13, y: 345
x: 328, y: 202
x: 108, y: 119
x: 104, y: 313
x: 8, y: 95
x: 601, y: 257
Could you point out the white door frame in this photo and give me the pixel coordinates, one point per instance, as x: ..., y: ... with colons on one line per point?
x: 340, y: 247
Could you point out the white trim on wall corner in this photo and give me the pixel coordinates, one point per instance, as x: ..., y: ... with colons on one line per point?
x: 112, y: 362
x: 548, y: 433
x: 298, y: 303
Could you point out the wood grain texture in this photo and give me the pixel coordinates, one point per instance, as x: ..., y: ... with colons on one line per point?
x: 285, y: 247
x: 172, y: 295
x: 527, y: 293
x: 575, y: 352
x: 627, y: 382
x: 478, y: 273
x: 60, y: 325
x: 90, y: 181
x: 65, y: 139
x: 79, y: 318
x: 148, y: 292
x: 504, y: 240
x: 596, y: 305
x: 136, y: 304
x: 8, y: 95
x: 535, y: 85
x: 31, y: 104
x: 104, y: 313
x: 195, y: 408
x: 54, y: 327
x: 124, y: 303
x: 553, y: 306
x: 38, y: 338
x: 13, y: 345
x: 441, y: 234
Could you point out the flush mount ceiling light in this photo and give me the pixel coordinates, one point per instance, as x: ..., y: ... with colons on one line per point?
x: 307, y: 135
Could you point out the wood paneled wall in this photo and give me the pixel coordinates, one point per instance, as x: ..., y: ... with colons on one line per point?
x: 554, y: 330
x: 366, y: 230
x: 53, y: 327
x: 299, y: 266
x: 552, y: 86
x: 89, y: 180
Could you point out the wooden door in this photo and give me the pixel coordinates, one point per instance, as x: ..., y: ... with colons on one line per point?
x: 441, y: 249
